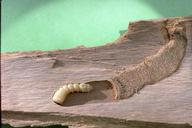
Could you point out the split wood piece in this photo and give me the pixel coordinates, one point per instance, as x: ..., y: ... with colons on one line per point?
x: 45, y: 72
x: 126, y: 77
x: 30, y: 78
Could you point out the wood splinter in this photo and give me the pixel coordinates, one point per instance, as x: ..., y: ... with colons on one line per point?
x: 61, y: 94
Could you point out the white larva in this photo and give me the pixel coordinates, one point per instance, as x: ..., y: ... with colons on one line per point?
x: 61, y: 94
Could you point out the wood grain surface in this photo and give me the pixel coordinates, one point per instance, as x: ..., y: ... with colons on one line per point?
x: 29, y: 80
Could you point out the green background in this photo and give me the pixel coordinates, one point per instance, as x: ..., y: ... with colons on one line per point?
x: 59, y: 24
x: 28, y: 25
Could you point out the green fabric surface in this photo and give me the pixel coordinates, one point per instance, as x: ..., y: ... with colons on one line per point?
x: 59, y: 24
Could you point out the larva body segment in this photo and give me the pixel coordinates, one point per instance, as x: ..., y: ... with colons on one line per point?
x: 83, y: 88
x: 61, y: 94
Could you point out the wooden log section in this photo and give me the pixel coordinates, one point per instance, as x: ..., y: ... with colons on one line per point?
x: 157, y: 52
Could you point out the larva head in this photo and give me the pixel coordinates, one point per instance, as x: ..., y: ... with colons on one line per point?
x: 59, y: 96
x: 85, y: 87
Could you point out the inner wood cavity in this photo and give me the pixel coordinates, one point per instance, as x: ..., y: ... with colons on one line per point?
x: 102, y: 92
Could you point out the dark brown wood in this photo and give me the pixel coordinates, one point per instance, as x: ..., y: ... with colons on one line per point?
x: 29, y: 79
